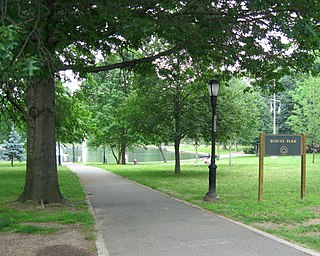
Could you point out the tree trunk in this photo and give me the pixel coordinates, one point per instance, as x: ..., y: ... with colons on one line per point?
x: 104, y: 159
x: 177, y: 169
x: 230, y: 156
x: 196, y: 146
x: 115, y: 156
x: 161, y: 151
x: 59, y: 153
x: 41, y: 183
x: 123, y: 147
x: 73, y: 153
x: 313, y: 152
x: 11, y: 161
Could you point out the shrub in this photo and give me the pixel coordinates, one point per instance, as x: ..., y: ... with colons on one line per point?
x: 249, y: 150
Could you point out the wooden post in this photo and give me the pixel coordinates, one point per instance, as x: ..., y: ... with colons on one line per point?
x: 303, y: 166
x: 261, y: 158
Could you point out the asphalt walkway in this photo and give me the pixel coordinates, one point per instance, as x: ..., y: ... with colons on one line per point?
x: 135, y: 220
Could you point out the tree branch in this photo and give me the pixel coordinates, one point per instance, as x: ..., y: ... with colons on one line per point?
x: 124, y: 64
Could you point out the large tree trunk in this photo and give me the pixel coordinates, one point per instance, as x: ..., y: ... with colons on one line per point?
x: 41, y: 178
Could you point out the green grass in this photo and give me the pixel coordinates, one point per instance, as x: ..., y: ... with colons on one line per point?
x: 22, y: 218
x: 281, y: 212
x: 206, y: 149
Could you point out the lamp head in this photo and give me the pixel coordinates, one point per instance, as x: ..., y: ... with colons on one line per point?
x: 213, y: 87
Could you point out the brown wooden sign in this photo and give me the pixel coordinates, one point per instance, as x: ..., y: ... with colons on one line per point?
x: 282, y: 145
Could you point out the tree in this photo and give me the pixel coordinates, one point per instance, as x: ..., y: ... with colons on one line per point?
x: 73, y: 121
x: 237, y: 113
x: 306, y: 113
x: 168, y: 105
x: 287, y: 103
x: 46, y: 37
x: 14, y: 147
x: 108, y: 104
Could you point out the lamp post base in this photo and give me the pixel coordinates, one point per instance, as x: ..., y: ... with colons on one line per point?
x: 211, y: 197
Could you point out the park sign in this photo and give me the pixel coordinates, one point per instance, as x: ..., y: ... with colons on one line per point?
x: 282, y: 145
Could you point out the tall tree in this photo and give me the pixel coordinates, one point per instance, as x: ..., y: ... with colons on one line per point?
x: 108, y: 106
x: 53, y: 35
x: 306, y: 113
x: 169, y: 104
x: 14, y: 147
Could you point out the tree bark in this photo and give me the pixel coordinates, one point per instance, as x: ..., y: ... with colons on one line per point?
x: 115, y: 156
x: 59, y: 153
x: 104, y: 159
x: 162, y: 154
x: 313, y: 152
x: 230, y: 155
x: 177, y: 168
x: 123, y: 147
x: 73, y: 153
x: 41, y: 183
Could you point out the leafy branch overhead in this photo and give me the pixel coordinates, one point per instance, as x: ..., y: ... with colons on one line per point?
x: 248, y: 36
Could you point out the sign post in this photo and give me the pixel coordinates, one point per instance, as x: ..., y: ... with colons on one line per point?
x: 261, y: 158
x: 303, y: 166
x: 282, y: 145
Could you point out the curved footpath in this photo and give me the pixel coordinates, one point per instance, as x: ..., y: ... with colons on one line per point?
x: 135, y: 220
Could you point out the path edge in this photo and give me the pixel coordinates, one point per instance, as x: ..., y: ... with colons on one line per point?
x: 100, y: 241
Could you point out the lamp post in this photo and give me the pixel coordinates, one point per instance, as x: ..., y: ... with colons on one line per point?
x: 212, y: 196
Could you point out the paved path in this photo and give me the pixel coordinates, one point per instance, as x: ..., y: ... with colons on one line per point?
x: 136, y: 220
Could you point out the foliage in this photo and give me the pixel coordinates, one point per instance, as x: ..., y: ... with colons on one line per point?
x: 287, y: 104
x: 238, y: 112
x: 73, y: 116
x: 107, y: 94
x: 231, y: 36
x: 306, y: 113
x: 249, y: 150
x: 14, y: 147
x: 168, y: 104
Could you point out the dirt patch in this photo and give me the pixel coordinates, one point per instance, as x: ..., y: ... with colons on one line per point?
x: 272, y: 225
x: 68, y: 240
x: 311, y: 222
x: 316, y: 210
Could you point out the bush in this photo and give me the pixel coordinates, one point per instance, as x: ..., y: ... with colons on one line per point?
x: 249, y: 150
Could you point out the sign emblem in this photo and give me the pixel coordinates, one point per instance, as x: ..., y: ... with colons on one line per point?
x: 284, y: 150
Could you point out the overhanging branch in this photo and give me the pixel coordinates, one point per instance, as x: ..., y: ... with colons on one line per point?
x: 125, y: 64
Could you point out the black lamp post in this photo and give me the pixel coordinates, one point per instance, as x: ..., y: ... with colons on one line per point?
x: 212, y: 196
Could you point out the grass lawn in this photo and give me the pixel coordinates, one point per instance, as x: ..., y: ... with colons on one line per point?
x: 17, y: 217
x: 206, y: 149
x: 282, y: 212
